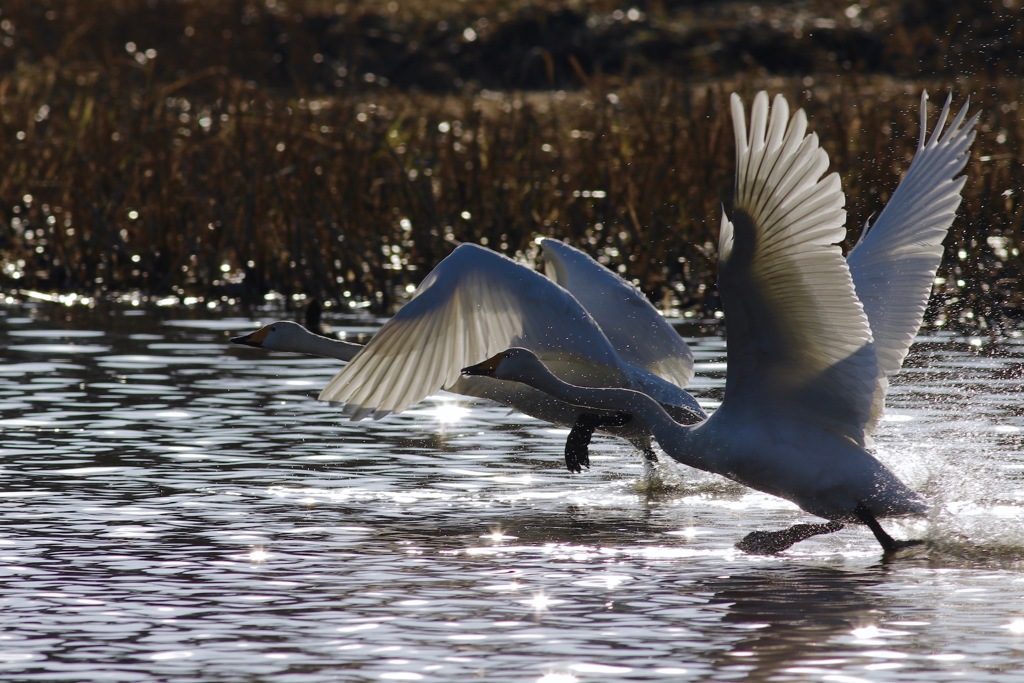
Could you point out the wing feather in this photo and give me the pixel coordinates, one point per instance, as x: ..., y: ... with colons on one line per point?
x: 637, y: 331
x: 474, y: 304
x: 894, y: 262
x: 796, y: 331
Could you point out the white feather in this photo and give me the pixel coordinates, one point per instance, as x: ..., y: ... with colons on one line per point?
x: 791, y: 312
x: 477, y: 302
x: 640, y: 335
x: 894, y: 262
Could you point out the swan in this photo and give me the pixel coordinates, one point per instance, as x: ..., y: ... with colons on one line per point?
x: 806, y: 376
x: 587, y: 323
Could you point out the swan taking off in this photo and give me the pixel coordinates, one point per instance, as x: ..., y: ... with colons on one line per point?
x: 588, y: 324
x: 807, y: 374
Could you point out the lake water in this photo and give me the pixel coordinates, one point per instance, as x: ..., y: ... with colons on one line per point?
x: 175, y: 508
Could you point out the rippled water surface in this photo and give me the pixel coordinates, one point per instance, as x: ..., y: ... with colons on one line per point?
x: 178, y: 509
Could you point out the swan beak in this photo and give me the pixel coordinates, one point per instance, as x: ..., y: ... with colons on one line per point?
x: 486, y: 368
x: 254, y: 339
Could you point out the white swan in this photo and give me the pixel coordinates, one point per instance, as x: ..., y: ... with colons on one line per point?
x: 588, y: 324
x: 806, y: 378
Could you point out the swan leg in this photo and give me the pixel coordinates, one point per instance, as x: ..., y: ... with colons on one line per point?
x: 577, y: 453
x: 771, y: 542
x: 889, y: 544
x: 650, y: 460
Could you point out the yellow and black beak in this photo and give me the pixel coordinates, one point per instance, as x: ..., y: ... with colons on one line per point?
x: 486, y: 368
x: 254, y: 339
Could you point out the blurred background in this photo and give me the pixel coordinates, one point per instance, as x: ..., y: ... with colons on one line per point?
x: 222, y: 152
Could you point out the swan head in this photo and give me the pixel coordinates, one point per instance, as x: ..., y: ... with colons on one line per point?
x: 277, y: 336
x: 515, y: 364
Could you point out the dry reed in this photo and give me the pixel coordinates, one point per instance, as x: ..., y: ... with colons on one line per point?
x: 230, y: 149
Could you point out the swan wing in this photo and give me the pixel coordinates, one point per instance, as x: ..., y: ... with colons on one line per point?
x: 638, y: 332
x: 796, y: 333
x: 474, y: 304
x: 894, y: 262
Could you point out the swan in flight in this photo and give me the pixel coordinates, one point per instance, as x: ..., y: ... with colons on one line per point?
x: 588, y: 324
x: 810, y: 352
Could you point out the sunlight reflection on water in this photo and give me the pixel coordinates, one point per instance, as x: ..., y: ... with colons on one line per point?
x: 178, y: 509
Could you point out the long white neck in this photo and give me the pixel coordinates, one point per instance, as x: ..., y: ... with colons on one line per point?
x: 317, y: 345
x: 675, y: 439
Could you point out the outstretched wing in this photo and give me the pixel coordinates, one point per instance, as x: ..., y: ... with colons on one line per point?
x: 798, y: 340
x: 894, y: 262
x: 474, y: 304
x: 639, y: 334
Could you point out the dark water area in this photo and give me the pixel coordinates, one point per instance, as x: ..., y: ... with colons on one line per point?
x: 175, y: 508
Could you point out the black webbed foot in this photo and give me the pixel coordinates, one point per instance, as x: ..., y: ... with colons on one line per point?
x: 577, y: 445
x: 889, y: 544
x: 772, y: 542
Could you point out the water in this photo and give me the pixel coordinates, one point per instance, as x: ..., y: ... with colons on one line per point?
x: 178, y: 509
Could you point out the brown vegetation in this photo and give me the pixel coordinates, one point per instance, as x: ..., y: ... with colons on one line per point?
x: 341, y: 149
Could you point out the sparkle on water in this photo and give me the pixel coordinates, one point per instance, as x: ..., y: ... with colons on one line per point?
x: 179, y: 509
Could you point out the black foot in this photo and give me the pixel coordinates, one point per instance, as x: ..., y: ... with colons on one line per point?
x: 889, y: 544
x: 772, y: 542
x: 649, y: 454
x: 908, y: 543
x: 577, y: 453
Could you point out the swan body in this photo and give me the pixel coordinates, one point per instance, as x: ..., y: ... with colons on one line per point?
x: 807, y: 376
x: 477, y: 302
x: 823, y: 472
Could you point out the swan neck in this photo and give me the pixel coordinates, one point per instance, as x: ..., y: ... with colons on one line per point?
x: 318, y: 345
x: 674, y: 438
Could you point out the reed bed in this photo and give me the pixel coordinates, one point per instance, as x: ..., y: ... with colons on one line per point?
x: 224, y: 150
